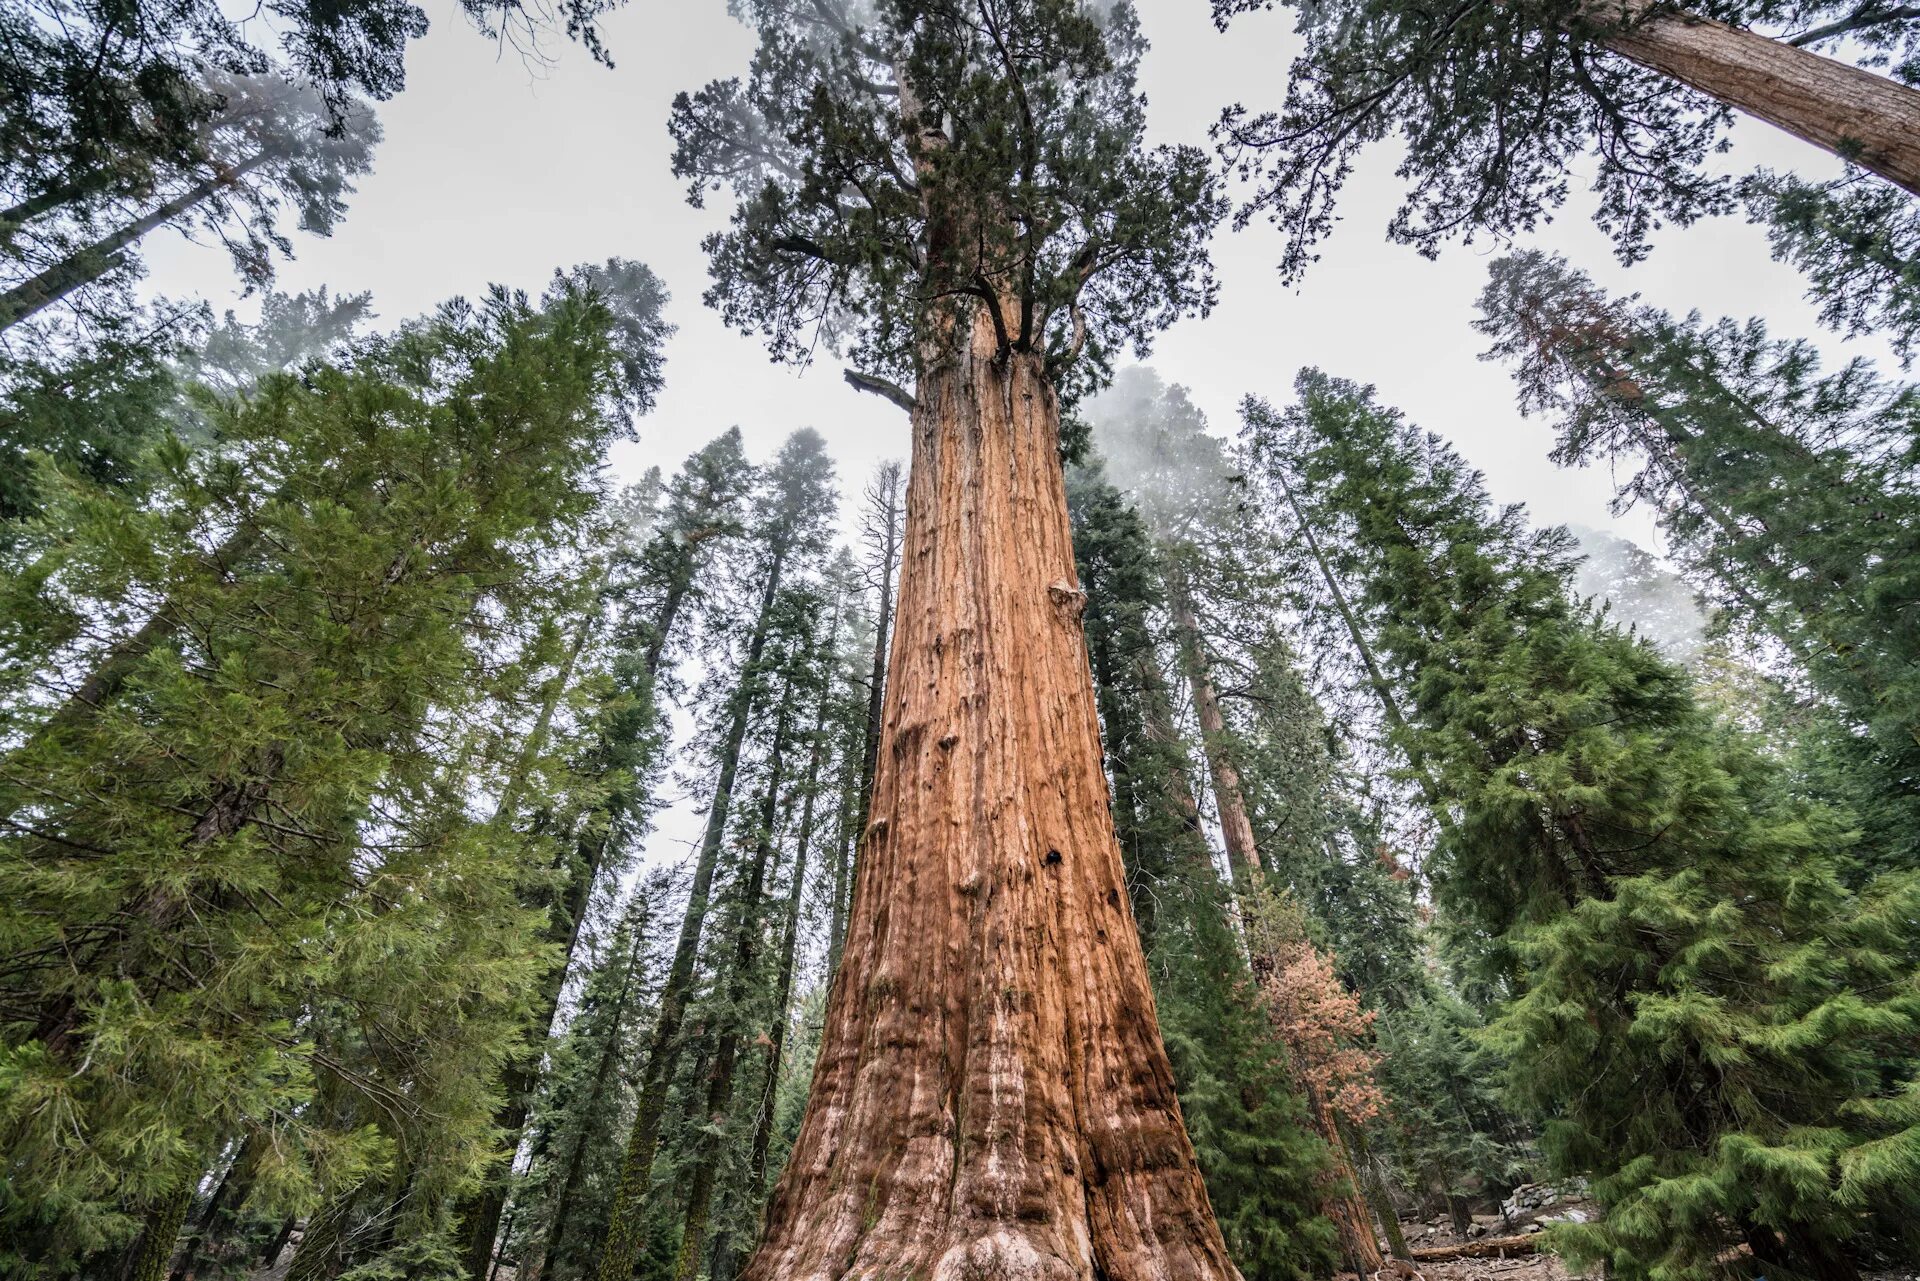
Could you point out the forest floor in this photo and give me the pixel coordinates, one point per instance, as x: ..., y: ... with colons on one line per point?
x: 1533, y: 1267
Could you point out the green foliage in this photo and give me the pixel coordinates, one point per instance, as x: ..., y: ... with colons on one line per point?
x: 92, y: 413
x: 1857, y: 240
x: 900, y: 165
x: 245, y: 894
x: 1702, y: 1012
x: 1788, y: 493
x: 586, y: 1100
x: 1499, y: 106
x: 1261, y: 1160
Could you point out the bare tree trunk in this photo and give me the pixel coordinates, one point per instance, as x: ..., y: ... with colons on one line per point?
x: 479, y: 1215
x: 991, y: 1098
x: 1859, y: 116
x: 790, y: 933
x: 842, y: 872
x: 884, y: 529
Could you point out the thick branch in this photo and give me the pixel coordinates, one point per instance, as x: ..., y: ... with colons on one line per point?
x: 879, y: 387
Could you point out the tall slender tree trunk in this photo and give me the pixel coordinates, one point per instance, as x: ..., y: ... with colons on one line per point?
x: 842, y: 869
x: 89, y: 264
x: 1243, y: 855
x: 626, y: 1223
x: 1856, y: 115
x: 889, y: 547
x: 992, y: 1098
x: 790, y: 933
x: 480, y: 1214
x: 574, y: 1164
x: 1342, y: 1203
x: 480, y: 1218
x: 733, y: 998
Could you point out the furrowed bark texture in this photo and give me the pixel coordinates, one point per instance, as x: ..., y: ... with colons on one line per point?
x: 991, y: 1099
x: 1863, y: 117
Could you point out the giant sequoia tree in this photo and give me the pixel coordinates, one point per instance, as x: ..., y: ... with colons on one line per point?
x: 957, y: 198
x: 1500, y: 103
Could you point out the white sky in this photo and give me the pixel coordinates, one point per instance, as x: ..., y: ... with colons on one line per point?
x: 496, y: 171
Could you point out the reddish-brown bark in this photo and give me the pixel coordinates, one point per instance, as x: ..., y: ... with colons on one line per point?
x: 991, y: 1098
x: 1867, y: 118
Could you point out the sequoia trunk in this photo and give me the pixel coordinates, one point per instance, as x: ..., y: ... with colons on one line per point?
x: 1857, y: 115
x: 991, y: 1098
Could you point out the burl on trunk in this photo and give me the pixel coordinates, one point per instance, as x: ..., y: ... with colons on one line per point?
x: 991, y: 1098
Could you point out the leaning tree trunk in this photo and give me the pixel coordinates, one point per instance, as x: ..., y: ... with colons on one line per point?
x: 89, y: 264
x: 1859, y: 116
x: 991, y: 1098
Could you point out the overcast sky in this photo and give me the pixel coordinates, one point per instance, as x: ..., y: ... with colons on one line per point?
x: 497, y: 170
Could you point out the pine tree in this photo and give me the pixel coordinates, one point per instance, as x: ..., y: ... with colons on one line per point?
x: 585, y: 1102
x: 182, y: 867
x: 961, y: 195
x: 649, y: 589
x: 1858, y: 243
x: 1703, y: 1015
x: 274, y: 146
x: 98, y: 107
x: 1500, y: 104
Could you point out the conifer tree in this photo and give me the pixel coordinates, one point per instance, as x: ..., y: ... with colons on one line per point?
x: 793, y: 507
x: 957, y: 197
x: 1705, y: 1019
x: 1793, y: 496
x: 649, y: 590
x: 1254, y: 1143
x: 171, y: 935
x: 1856, y: 240
x: 574, y: 1148
x: 275, y: 146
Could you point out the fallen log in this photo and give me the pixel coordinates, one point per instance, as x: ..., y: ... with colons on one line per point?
x: 1485, y: 1248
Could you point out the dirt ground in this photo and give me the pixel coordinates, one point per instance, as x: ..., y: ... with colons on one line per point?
x: 1536, y: 1267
